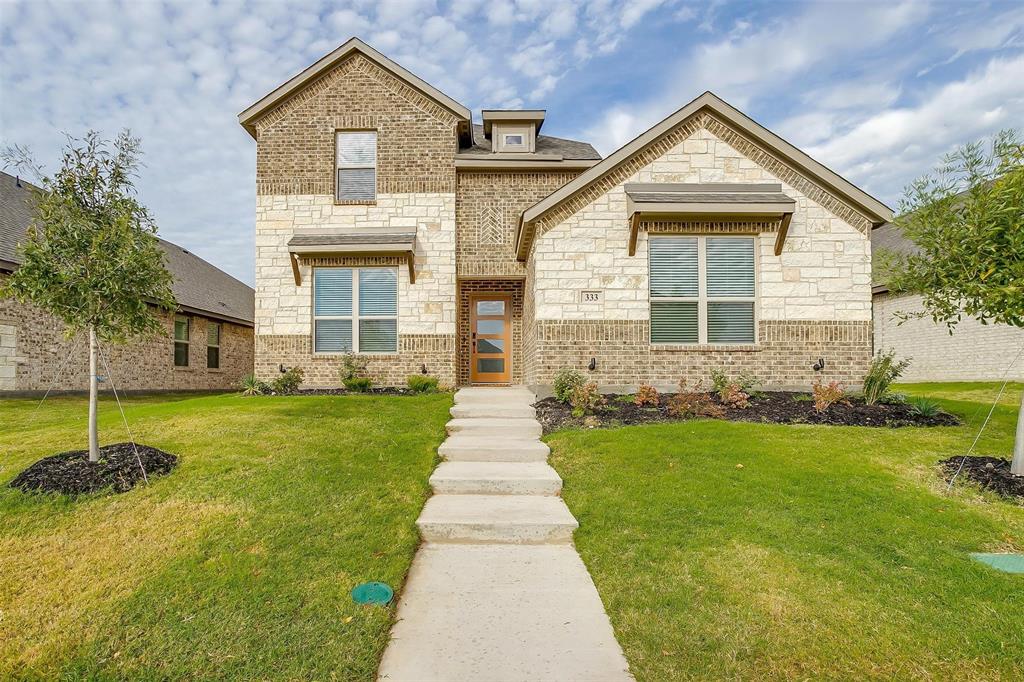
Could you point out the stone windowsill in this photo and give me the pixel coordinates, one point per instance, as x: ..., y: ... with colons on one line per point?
x: 368, y: 356
x: 707, y: 348
x: 355, y: 202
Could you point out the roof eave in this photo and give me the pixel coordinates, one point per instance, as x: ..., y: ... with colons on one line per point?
x: 248, y: 117
x: 878, y: 212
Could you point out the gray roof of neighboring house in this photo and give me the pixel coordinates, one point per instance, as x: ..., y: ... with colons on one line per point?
x: 199, y: 286
x: 568, y: 149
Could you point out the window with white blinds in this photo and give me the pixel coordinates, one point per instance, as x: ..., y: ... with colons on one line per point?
x: 355, y: 310
x: 356, y: 166
x: 703, y: 289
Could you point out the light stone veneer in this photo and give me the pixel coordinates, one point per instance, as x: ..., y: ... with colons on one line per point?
x: 973, y: 352
x: 8, y: 359
x: 824, y: 272
x: 426, y: 307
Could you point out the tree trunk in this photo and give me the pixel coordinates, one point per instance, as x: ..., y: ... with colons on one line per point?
x: 1017, y: 467
x: 94, y: 441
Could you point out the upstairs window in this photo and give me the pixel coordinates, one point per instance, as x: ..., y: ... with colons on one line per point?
x: 356, y: 156
x: 355, y: 310
x: 702, y: 290
x: 213, y: 345
x: 181, y: 336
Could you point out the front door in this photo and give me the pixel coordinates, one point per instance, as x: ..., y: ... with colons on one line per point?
x: 491, y: 329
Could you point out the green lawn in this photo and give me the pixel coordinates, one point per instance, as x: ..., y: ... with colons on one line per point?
x: 833, y: 552
x: 237, y: 565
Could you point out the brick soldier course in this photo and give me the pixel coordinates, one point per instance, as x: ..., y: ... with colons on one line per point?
x: 550, y: 227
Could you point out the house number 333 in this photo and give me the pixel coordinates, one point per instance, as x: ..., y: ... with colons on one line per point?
x: 591, y: 296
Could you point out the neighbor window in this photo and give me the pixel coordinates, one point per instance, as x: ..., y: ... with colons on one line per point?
x: 356, y: 166
x: 213, y: 345
x: 702, y: 290
x: 355, y: 310
x: 181, y: 335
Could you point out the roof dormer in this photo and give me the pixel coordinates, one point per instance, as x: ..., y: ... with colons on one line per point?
x: 513, y: 131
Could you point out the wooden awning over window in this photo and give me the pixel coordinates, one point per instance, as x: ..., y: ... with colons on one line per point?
x: 700, y: 201
x: 349, y: 244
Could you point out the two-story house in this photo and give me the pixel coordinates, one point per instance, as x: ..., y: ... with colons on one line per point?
x: 390, y: 225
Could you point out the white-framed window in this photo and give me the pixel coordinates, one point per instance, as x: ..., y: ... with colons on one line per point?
x: 182, y: 328
x: 703, y: 289
x: 213, y: 345
x: 356, y: 172
x: 513, y: 140
x: 355, y: 310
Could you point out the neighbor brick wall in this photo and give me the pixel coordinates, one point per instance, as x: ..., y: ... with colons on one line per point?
x: 143, y: 365
x: 416, y: 137
x: 782, y: 359
x: 487, y: 210
x: 973, y: 352
x: 467, y: 288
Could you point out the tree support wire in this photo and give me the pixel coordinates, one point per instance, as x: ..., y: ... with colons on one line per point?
x: 131, y: 437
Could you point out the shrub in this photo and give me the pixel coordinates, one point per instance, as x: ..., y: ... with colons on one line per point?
x: 725, y: 386
x: 890, y: 398
x: 734, y: 396
x: 567, y: 381
x: 884, y: 370
x: 357, y: 384
x: 250, y: 385
x: 827, y: 395
x: 288, y: 382
x: 422, y: 383
x: 924, y: 407
x: 719, y: 380
x: 584, y: 398
x: 647, y: 395
x: 689, y: 403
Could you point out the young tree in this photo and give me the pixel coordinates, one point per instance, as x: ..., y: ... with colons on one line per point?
x: 91, y: 257
x: 967, y: 219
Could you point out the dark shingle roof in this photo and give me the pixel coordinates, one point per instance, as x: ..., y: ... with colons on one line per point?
x: 568, y: 149
x: 198, y: 285
x: 352, y: 238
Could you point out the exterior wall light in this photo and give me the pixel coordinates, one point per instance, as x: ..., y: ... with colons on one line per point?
x: 593, y: 364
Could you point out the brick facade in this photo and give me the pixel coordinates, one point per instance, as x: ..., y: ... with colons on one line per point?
x: 43, y: 359
x: 973, y: 352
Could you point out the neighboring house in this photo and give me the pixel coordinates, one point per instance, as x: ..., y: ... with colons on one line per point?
x: 973, y: 352
x: 206, y: 345
x: 388, y: 224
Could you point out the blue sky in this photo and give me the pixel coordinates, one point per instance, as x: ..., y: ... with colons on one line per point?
x: 876, y: 91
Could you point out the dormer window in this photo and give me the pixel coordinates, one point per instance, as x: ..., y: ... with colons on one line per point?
x: 513, y: 131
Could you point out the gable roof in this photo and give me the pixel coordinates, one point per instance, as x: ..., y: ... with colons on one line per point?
x: 353, y: 45
x: 874, y: 209
x: 198, y: 286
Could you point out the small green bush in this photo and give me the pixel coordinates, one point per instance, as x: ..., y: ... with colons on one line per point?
x: 585, y: 398
x: 357, y: 384
x: 890, y: 398
x: 422, y: 383
x: 724, y: 385
x: 567, y: 381
x: 885, y: 369
x: 288, y: 382
x: 924, y: 407
x: 250, y: 385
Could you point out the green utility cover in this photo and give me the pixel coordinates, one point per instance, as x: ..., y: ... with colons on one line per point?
x: 372, y: 593
x: 1008, y: 563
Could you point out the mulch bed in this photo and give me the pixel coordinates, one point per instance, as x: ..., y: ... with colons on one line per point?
x: 767, y: 407
x: 990, y: 473
x: 71, y: 473
x: 383, y: 390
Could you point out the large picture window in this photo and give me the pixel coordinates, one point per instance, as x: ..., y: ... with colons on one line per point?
x: 355, y: 310
x: 703, y: 290
x: 356, y: 166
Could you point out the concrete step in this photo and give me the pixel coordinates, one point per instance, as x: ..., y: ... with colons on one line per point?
x: 505, y: 519
x: 511, y: 395
x: 495, y: 478
x: 493, y: 410
x: 494, y: 427
x: 483, y: 449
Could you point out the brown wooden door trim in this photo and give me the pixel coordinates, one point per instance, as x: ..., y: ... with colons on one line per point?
x: 476, y: 376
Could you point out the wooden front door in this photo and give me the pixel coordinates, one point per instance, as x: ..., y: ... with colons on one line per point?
x: 490, y: 321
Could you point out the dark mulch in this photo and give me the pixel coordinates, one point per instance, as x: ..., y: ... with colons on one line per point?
x: 383, y: 390
x: 990, y: 473
x: 768, y: 407
x: 71, y: 473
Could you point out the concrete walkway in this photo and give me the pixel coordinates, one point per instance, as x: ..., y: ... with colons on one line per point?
x: 497, y: 592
